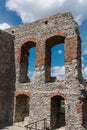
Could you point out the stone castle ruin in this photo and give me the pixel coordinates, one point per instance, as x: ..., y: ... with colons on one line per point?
x: 41, y: 103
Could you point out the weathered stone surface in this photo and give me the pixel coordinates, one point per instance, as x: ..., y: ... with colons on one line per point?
x: 7, y: 77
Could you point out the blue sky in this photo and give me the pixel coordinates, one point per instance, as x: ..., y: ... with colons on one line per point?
x: 15, y: 12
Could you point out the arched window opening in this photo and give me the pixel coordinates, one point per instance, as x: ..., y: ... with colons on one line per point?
x: 57, y: 112
x: 26, y: 62
x: 84, y: 64
x: 55, y: 58
x: 31, y: 63
x: 22, y: 107
x: 57, y: 62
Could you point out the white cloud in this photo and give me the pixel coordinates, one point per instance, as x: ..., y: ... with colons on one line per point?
x: 59, y: 52
x: 78, y: 19
x: 84, y: 72
x: 4, y: 26
x: 85, y: 51
x: 58, y: 72
x: 83, y: 65
x: 82, y: 58
x: 30, y: 10
x: 31, y: 75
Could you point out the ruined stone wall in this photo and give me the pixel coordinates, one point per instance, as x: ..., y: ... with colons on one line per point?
x: 44, y: 34
x: 6, y: 77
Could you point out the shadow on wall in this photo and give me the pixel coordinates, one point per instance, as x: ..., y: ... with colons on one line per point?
x: 24, y: 61
x: 84, y: 109
x: 7, y: 79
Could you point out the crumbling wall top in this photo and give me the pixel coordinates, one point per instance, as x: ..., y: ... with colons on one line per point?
x: 55, y: 23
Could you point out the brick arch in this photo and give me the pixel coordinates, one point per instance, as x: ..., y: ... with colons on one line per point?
x: 22, y: 107
x: 27, y: 40
x: 23, y: 55
x: 22, y: 93
x: 55, y: 38
x: 57, y: 107
x: 50, y: 41
x: 21, y: 43
x: 62, y: 34
x: 58, y: 94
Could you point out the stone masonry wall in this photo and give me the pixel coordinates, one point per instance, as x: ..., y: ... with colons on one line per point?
x: 44, y: 34
x: 6, y: 77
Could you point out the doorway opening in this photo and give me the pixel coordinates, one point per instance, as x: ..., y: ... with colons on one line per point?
x: 22, y: 107
x: 57, y: 112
